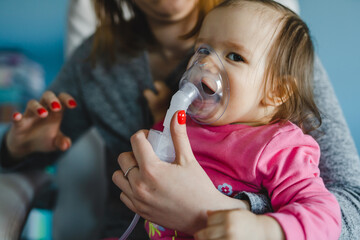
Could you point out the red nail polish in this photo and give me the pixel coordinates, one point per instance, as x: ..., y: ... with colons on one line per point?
x: 16, y: 116
x: 181, y: 117
x: 55, y: 105
x: 41, y: 111
x: 72, y: 103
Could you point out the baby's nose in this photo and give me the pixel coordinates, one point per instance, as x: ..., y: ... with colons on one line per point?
x: 208, y: 63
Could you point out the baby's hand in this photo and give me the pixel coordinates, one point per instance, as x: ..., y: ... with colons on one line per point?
x: 230, y: 225
x: 38, y: 129
x: 158, y: 103
x: 239, y: 224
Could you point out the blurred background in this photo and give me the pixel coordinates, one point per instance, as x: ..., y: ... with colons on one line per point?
x: 335, y: 29
x: 32, y: 39
x: 32, y: 35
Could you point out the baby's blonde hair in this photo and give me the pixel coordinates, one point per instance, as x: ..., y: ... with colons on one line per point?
x: 289, y: 67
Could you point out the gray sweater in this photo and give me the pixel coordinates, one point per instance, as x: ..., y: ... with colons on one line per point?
x: 111, y: 99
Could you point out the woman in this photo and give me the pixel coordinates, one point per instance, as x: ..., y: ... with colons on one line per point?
x: 125, y: 59
x: 149, y: 195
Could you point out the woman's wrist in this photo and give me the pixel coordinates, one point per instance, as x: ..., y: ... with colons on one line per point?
x: 15, y: 152
x: 226, y: 202
x: 7, y: 157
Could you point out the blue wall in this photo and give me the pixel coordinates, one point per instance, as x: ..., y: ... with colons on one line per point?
x: 335, y: 28
x: 37, y: 27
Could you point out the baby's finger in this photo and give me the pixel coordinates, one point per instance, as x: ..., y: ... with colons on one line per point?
x: 211, y: 233
x: 67, y: 100
x: 162, y: 88
x: 150, y: 95
x: 35, y: 108
x: 51, y: 101
x: 217, y: 217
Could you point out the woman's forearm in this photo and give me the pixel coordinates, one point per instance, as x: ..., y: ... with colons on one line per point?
x: 339, y: 162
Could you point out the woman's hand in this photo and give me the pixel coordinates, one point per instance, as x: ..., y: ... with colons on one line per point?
x: 158, y: 102
x: 175, y: 195
x: 239, y: 224
x: 38, y: 129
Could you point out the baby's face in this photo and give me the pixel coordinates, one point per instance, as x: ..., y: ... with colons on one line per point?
x: 242, y: 36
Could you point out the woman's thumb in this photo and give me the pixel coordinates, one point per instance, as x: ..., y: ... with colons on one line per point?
x: 180, y: 138
x: 62, y: 142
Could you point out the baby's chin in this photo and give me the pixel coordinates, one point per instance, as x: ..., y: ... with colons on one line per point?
x: 226, y: 120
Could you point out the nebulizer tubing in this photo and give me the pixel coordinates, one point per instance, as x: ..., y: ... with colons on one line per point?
x: 203, y: 94
x: 161, y: 141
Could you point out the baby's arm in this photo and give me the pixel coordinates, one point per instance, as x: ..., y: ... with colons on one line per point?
x: 288, y: 169
x: 240, y: 224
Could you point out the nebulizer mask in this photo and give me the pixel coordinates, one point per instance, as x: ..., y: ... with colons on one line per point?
x: 203, y: 94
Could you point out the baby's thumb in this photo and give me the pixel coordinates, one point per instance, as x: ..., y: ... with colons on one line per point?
x: 180, y: 138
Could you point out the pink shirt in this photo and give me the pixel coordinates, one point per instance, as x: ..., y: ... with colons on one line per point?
x: 278, y: 159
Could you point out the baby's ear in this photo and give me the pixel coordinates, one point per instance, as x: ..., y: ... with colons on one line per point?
x: 280, y: 92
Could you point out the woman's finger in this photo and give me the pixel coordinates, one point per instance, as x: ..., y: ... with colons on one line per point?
x: 16, y: 117
x: 120, y: 181
x: 51, y: 101
x: 180, y: 138
x: 35, y: 108
x: 62, y: 142
x: 126, y: 161
x: 67, y: 100
x: 126, y: 200
x: 142, y: 150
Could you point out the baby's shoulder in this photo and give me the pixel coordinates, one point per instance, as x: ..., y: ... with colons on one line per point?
x: 288, y: 134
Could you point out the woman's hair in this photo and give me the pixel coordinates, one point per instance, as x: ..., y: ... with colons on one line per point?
x: 123, y: 26
x: 289, y: 68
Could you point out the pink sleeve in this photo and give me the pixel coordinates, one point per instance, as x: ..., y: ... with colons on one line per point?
x: 158, y: 126
x: 288, y: 169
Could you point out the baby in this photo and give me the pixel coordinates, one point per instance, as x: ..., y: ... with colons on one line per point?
x: 260, y: 143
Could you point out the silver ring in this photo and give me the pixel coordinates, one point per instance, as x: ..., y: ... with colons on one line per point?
x: 129, y: 169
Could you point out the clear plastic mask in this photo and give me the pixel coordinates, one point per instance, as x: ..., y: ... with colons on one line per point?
x: 207, y: 73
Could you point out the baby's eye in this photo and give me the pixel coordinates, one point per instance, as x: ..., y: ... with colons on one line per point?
x: 235, y: 57
x: 203, y: 50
